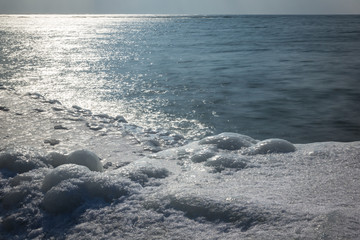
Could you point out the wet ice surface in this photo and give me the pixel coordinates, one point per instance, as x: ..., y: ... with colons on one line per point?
x: 33, y: 122
x: 134, y: 183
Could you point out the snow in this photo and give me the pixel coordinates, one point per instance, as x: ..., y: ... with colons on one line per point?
x: 229, y: 141
x: 56, y: 159
x: 63, y: 197
x: 63, y: 172
x: 18, y: 163
x: 86, y: 158
x: 104, y: 185
x: 69, y: 185
x: 271, y: 146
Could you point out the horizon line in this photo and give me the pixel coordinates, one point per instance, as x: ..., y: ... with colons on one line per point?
x: 189, y: 14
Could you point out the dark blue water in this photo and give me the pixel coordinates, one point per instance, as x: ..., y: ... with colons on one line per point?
x: 292, y: 77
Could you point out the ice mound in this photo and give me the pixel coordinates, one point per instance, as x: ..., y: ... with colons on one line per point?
x: 64, y: 172
x: 142, y: 171
x: 19, y: 163
x: 85, y: 158
x: 201, y: 155
x: 79, y: 157
x: 271, y: 146
x: 69, y: 185
x: 14, y: 197
x: 199, y: 208
x: 21, y: 187
x: 220, y: 162
x: 63, y: 197
x: 36, y: 175
x: 56, y: 159
x: 229, y: 141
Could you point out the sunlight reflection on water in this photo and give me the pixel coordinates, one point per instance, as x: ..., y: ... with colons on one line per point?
x: 248, y: 74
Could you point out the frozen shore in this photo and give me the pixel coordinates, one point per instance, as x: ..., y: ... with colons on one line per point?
x: 135, y: 183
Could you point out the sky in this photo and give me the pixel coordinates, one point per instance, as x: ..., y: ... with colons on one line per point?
x: 181, y: 6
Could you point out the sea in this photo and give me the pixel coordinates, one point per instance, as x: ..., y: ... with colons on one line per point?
x: 265, y: 76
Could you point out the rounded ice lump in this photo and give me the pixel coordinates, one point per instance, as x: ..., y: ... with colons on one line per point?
x: 56, y: 159
x: 229, y: 141
x: 220, y: 162
x: 69, y: 185
x: 273, y: 145
x: 86, y: 158
x: 79, y: 157
x: 63, y: 197
x: 63, y: 172
x: 142, y: 171
x: 202, y: 155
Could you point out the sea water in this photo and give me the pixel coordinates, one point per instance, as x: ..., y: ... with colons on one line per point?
x: 291, y: 77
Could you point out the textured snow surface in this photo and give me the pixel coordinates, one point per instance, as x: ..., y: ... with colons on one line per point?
x: 227, y: 186
x: 309, y: 193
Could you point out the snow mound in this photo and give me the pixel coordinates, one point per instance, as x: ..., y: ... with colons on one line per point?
x: 202, y: 155
x: 56, y: 159
x: 22, y: 187
x: 142, y: 171
x: 35, y: 175
x: 229, y: 141
x: 198, y: 208
x: 19, y: 163
x: 273, y: 145
x: 85, y: 158
x: 14, y: 197
x: 79, y: 157
x: 63, y: 172
x: 221, y: 162
x: 69, y: 185
x: 63, y: 197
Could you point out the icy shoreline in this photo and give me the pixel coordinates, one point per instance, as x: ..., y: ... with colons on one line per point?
x: 151, y: 184
x: 36, y: 123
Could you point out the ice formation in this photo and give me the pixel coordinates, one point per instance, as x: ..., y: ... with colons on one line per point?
x: 68, y: 185
x: 227, y: 186
x: 79, y: 157
x: 19, y: 163
x: 85, y: 158
x: 271, y: 146
x: 229, y: 141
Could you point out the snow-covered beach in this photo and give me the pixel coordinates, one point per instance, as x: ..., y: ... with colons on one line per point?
x: 153, y: 184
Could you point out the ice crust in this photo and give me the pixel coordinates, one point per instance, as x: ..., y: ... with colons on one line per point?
x: 227, y: 186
